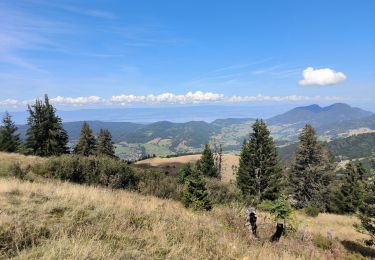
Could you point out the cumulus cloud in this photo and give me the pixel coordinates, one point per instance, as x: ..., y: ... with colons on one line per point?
x: 77, y: 100
x: 321, y: 77
x: 9, y: 102
x: 190, y: 97
x: 166, y: 98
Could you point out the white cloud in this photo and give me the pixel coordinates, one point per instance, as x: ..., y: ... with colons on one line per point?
x: 190, y: 97
x: 77, y: 100
x: 9, y: 102
x: 165, y: 98
x: 321, y: 77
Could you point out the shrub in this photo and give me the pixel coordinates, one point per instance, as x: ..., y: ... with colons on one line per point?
x: 91, y: 170
x: 222, y: 193
x: 312, y: 210
x: 156, y: 183
x: 16, y: 171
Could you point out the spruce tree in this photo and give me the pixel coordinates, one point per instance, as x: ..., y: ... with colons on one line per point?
x: 367, y: 211
x: 259, y: 172
x: 9, y: 139
x: 45, y: 135
x: 184, y: 173
x: 105, y: 145
x: 311, y: 171
x: 195, y: 193
x: 86, y: 144
x: 206, y: 165
x: 350, y: 195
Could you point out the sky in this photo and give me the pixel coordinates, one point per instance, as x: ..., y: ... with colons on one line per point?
x: 106, y: 53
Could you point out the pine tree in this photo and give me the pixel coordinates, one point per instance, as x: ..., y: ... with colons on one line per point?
x: 195, y: 193
x: 350, y: 195
x: 367, y: 211
x: 105, y: 144
x: 9, y: 139
x: 184, y: 173
x: 86, y: 144
x: 259, y: 171
x: 45, y: 135
x: 206, y: 165
x: 311, y: 171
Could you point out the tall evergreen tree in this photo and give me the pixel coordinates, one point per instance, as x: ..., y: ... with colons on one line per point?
x: 367, y: 211
x: 259, y: 171
x: 206, y: 165
x: 45, y: 135
x: 105, y: 145
x: 311, y: 171
x: 350, y: 195
x: 86, y: 144
x: 9, y: 139
x: 195, y: 193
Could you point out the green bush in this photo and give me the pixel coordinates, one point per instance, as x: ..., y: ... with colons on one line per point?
x: 90, y: 170
x: 312, y: 210
x: 156, y: 183
x: 222, y: 193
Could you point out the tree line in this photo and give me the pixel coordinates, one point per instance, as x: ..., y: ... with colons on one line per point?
x: 46, y: 136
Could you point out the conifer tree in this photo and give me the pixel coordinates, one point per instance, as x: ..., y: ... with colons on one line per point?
x: 45, y: 135
x: 259, y: 171
x: 105, y: 145
x: 86, y: 144
x: 367, y: 212
x: 206, y: 165
x: 184, y: 173
x: 350, y: 195
x: 311, y: 171
x: 195, y: 193
x: 9, y: 139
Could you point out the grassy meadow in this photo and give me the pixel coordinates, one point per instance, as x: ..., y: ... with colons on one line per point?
x: 50, y: 219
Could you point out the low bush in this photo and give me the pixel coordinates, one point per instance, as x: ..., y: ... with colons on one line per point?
x: 90, y: 170
x: 156, y: 183
x: 222, y: 193
x: 312, y: 210
x: 16, y: 171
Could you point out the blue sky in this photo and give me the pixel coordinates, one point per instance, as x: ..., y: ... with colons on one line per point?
x: 139, y: 53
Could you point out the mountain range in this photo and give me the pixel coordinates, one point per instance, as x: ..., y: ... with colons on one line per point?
x: 163, y: 138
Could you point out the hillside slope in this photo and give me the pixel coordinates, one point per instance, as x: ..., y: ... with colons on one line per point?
x: 65, y: 221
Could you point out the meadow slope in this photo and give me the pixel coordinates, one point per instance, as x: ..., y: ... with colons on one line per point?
x: 49, y: 219
x: 57, y: 220
x: 230, y: 161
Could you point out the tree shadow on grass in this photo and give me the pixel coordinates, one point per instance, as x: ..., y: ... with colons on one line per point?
x: 355, y: 247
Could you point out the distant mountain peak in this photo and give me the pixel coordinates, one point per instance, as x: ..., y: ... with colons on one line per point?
x: 313, y: 108
x: 318, y: 116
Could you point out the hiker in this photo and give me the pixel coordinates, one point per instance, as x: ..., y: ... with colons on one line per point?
x: 279, y: 232
x: 251, y: 220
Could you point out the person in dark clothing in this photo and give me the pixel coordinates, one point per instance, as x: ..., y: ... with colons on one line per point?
x: 252, y: 220
x: 279, y: 232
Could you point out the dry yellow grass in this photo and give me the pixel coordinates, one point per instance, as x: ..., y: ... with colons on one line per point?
x: 57, y: 220
x: 229, y: 161
x: 340, y: 226
x: 23, y: 160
